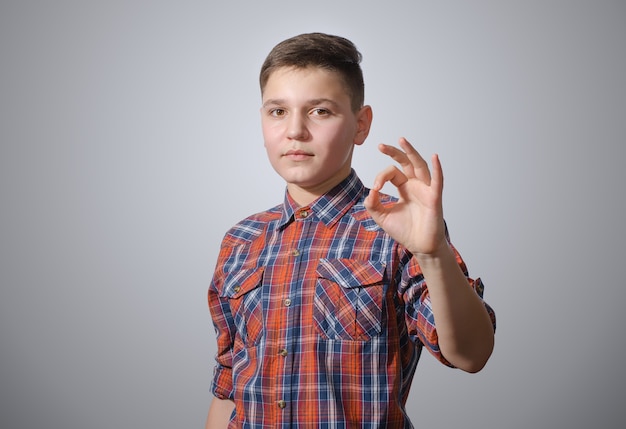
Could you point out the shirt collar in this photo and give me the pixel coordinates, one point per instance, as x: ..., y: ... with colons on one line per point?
x: 331, y: 206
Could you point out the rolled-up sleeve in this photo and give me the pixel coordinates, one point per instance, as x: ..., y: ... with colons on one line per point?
x: 222, y: 384
x: 418, y: 309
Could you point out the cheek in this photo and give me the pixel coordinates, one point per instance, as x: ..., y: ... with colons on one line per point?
x: 271, y: 133
x: 272, y: 149
x: 343, y: 132
x: 267, y: 138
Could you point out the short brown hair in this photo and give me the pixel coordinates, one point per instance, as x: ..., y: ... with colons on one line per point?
x: 333, y: 53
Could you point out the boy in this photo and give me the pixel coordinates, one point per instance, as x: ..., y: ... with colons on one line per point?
x: 322, y: 304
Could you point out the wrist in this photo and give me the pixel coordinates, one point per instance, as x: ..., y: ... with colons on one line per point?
x: 440, y: 252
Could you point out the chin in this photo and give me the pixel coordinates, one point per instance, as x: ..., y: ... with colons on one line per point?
x: 301, y: 178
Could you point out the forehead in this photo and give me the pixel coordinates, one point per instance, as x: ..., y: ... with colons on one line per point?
x: 299, y: 81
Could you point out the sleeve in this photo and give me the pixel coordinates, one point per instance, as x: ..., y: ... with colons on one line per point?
x: 418, y: 309
x: 222, y: 384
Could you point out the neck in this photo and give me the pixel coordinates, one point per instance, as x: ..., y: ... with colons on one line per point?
x: 305, y: 195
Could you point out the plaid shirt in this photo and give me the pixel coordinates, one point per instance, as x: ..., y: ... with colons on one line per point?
x: 320, y: 317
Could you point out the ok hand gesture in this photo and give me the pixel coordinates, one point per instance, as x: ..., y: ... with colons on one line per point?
x: 416, y: 220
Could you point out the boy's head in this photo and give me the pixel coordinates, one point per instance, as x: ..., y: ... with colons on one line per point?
x: 318, y: 50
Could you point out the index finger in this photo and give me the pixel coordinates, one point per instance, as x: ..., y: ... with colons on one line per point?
x: 413, y: 165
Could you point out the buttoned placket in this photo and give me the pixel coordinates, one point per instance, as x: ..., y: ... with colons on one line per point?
x: 291, y: 302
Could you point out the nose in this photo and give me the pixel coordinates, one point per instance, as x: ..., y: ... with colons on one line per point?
x: 297, y: 129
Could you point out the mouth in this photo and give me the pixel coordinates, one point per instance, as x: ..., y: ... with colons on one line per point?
x: 297, y: 155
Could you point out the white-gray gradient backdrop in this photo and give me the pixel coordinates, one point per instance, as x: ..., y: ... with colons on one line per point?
x: 130, y: 142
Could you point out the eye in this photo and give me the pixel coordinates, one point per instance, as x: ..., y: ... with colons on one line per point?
x: 277, y: 112
x: 320, y: 111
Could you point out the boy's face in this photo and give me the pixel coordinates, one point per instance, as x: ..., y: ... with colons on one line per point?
x: 310, y: 129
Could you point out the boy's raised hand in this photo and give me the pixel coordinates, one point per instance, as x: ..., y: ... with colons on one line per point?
x: 416, y: 220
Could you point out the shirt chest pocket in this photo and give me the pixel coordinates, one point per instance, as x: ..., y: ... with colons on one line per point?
x: 243, y: 291
x: 348, y: 301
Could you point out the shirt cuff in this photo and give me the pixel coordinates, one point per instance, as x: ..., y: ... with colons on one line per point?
x: 222, y: 385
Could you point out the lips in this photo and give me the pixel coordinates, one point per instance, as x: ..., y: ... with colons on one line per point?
x: 297, y: 154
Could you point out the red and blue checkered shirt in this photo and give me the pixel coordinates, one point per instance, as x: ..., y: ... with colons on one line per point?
x: 320, y: 317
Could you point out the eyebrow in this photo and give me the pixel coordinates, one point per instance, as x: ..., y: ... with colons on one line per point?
x: 315, y: 101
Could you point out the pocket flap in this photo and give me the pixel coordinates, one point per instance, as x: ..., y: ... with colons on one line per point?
x: 350, y: 273
x: 241, y: 282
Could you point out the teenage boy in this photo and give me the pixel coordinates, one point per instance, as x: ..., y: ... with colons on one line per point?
x: 323, y: 304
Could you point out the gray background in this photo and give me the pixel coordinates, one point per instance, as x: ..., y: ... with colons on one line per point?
x: 130, y: 142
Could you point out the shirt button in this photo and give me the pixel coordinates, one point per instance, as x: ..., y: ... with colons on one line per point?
x: 304, y: 214
x: 283, y: 352
x: 295, y: 252
x: 287, y: 302
x: 237, y: 289
x: 282, y: 404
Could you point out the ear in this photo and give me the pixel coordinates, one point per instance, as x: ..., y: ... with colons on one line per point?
x: 364, y: 121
